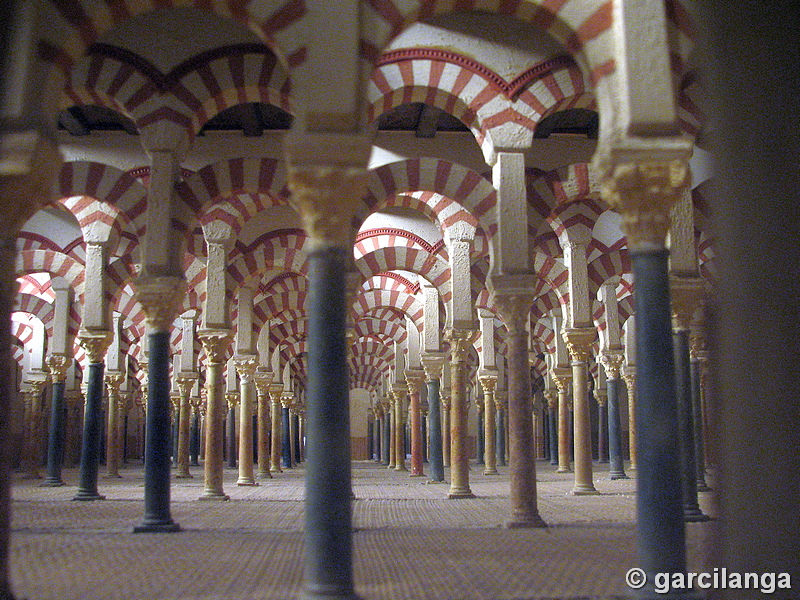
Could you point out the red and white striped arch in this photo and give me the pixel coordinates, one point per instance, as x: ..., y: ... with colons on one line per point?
x: 368, y: 300
x: 405, y: 258
x: 367, y: 327
x: 54, y: 263
x: 278, y: 251
x: 584, y: 29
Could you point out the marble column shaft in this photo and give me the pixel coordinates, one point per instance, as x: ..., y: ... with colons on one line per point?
x: 263, y: 381
x: 185, y: 385
x: 113, y: 449
x: 246, y: 368
x: 579, y: 342
x: 58, y: 365
x: 276, y: 416
x: 400, y: 395
x: 460, y: 342
x: 564, y: 441
x: 488, y: 382
x: 414, y: 381
x: 215, y: 343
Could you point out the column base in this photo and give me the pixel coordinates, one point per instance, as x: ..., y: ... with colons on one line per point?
x: 112, y: 476
x: 31, y: 476
x: 265, y: 475
x: 247, y: 482
x: 328, y: 594
x: 584, y: 490
x: 430, y: 481
x: 212, y: 496
x: 602, y: 461
x: 87, y: 496
x: 400, y: 468
x: 525, y: 522
x: 695, y: 515
x: 618, y: 475
x: 491, y: 472
x: 167, y: 527
x: 184, y: 476
x: 52, y: 483
x: 454, y: 494
x: 194, y: 463
x: 563, y: 470
x: 553, y: 463
x: 417, y: 475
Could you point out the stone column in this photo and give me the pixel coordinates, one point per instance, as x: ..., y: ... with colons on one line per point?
x: 263, y: 379
x: 286, y: 432
x: 95, y: 342
x: 552, y: 417
x: 325, y: 192
x: 392, y: 432
x: 215, y: 343
x: 698, y: 357
x: 514, y: 308
x: 479, y: 432
x: 175, y: 417
x: 488, y: 382
x: 232, y: 400
x: 601, y: 397
x: 57, y: 365
x: 460, y: 343
x: 612, y: 363
x: 500, y: 404
x: 686, y: 295
x: 414, y: 380
x: 186, y: 381
x: 562, y: 377
x: 198, y: 407
x: 161, y: 298
x: 386, y: 445
x: 399, y: 392
x: 629, y: 376
x: 579, y: 342
x: 113, y: 447
x: 643, y: 180
x: 275, y: 393
x: 246, y: 368
x: 33, y: 427
x: 445, y: 399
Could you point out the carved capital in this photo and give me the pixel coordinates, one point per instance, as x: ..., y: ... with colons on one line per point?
x: 275, y: 391
x: 432, y: 364
x: 686, y: 294
x: 246, y: 366
x: 514, y: 309
x: 500, y: 399
x: 287, y: 400
x: 444, y: 398
x: 58, y: 365
x: 630, y: 379
x: 601, y: 396
x: 460, y: 342
x: 161, y: 299
x: 488, y: 382
x: 552, y: 399
x: 579, y: 342
x: 561, y: 376
x: 114, y: 380
x: 612, y: 363
x: 186, y: 381
x: 643, y: 193
x: 326, y: 198
x: 175, y: 400
x: 232, y: 398
x: 96, y: 343
x: 215, y: 343
x: 35, y: 387
x: 263, y: 380
x: 414, y: 380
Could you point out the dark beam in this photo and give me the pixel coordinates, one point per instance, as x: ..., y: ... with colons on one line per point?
x: 73, y: 121
x: 428, y: 121
x: 251, y: 121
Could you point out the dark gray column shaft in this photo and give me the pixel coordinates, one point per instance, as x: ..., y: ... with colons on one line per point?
x: 697, y: 422
x: 435, y: 417
x: 157, y: 442
x: 230, y: 424
x: 552, y: 416
x: 387, y: 438
x: 55, y: 441
x: 616, y: 466
x: 92, y: 427
x: 286, y: 438
x: 500, y: 438
x: 328, y: 529
x: 479, y: 439
x: 194, y: 440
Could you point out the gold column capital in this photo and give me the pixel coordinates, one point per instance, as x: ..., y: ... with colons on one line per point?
x: 414, y: 380
x: 643, y: 184
x: 686, y: 294
x: 561, y: 376
x: 96, y: 343
x: 113, y: 381
x: 488, y: 382
x: 601, y: 396
x: 460, y: 342
x: 444, y: 398
x: 215, y: 343
x: 186, y: 381
x: 514, y: 309
x: 263, y: 380
x: 433, y: 364
x: 579, y: 342
x: 552, y: 399
x: 232, y: 398
x: 629, y: 375
x: 161, y: 298
x: 58, y: 365
x: 612, y: 363
x: 175, y: 400
x: 35, y: 387
x: 246, y: 365
x: 275, y: 391
x: 287, y: 400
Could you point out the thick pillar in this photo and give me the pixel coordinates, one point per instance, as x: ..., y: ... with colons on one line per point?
x: 246, y: 368
x: 57, y: 365
x: 186, y: 381
x: 460, y: 343
x: 161, y: 299
x: 686, y: 294
x: 414, y: 380
x: 215, y: 343
x: 399, y: 392
x: 95, y: 343
x: 612, y: 363
x: 552, y: 418
x: 263, y: 379
x: 514, y: 308
x: 642, y: 184
x: 489, y: 382
x: 275, y: 393
x: 579, y: 342
x: 113, y: 442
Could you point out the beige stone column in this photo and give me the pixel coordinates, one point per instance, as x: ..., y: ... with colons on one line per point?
x: 113, y: 451
x: 33, y: 428
x: 246, y: 368
x: 488, y: 383
x: 445, y: 398
x: 392, y: 432
x: 562, y: 377
x: 186, y: 381
x: 579, y: 342
x: 629, y: 375
x: 215, y: 343
x: 275, y: 393
x: 263, y: 379
x: 399, y: 393
x: 460, y: 342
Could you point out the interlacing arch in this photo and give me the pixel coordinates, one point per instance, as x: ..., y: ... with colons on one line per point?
x: 367, y: 327
x: 279, y: 251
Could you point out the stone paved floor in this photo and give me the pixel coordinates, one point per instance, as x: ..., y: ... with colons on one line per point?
x: 411, y: 542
